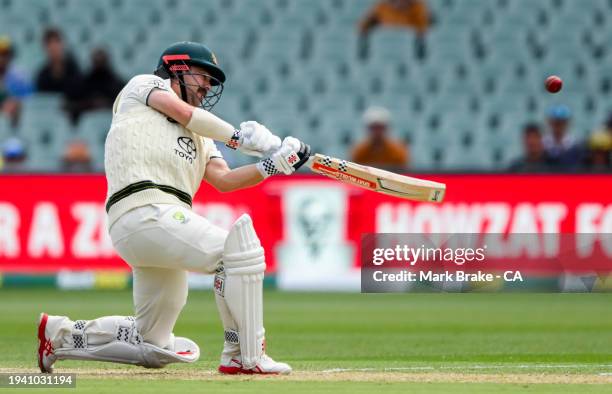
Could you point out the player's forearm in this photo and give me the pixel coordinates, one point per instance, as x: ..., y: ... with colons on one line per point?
x: 208, y: 125
x: 238, y: 178
x: 195, y: 119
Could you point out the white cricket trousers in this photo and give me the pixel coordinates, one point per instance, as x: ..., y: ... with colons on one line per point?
x: 162, y: 242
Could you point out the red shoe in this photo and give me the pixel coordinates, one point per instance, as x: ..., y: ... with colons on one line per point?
x: 265, y: 366
x: 232, y: 366
x: 46, y: 354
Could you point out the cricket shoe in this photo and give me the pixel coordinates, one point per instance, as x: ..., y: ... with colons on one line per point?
x: 265, y: 366
x: 46, y: 351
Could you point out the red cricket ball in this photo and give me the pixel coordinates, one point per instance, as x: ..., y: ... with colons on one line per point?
x: 553, y: 84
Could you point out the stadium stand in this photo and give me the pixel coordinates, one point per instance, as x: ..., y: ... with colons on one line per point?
x: 295, y: 66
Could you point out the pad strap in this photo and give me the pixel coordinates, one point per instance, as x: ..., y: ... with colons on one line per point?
x: 128, y: 332
x: 79, y: 339
x: 231, y: 336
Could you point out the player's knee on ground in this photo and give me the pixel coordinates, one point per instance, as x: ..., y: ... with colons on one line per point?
x: 156, y: 328
x: 159, y: 296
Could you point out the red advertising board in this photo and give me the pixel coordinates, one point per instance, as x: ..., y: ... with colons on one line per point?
x: 52, y: 222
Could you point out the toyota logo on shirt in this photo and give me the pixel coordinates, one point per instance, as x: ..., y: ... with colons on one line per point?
x: 187, y: 149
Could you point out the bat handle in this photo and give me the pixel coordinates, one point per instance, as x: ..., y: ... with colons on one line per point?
x: 310, y: 161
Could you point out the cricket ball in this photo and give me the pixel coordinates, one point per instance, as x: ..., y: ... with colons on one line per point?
x: 553, y: 84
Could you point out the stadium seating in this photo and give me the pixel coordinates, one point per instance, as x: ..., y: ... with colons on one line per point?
x: 294, y: 65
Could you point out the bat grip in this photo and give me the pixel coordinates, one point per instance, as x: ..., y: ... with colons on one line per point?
x: 310, y: 161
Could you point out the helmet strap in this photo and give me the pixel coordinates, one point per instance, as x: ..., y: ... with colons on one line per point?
x: 179, y: 74
x: 178, y: 69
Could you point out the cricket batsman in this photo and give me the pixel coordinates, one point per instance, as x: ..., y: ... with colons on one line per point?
x: 159, y: 148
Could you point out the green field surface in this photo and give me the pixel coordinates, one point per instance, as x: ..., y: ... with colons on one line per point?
x: 438, y: 343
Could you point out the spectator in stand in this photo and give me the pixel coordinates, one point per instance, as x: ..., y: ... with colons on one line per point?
x: 14, y: 84
x: 61, y: 73
x: 101, y: 85
x: 77, y: 158
x: 560, y: 145
x: 599, y: 157
x: 379, y: 149
x: 535, y: 159
x: 403, y: 13
x: 607, y: 126
x: 14, y: 155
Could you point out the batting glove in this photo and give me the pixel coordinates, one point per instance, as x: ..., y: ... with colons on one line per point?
x: 254, y: 139
x: 291, y: 155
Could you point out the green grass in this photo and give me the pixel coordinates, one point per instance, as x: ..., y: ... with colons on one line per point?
x: 175, y: 386
x: 168, y: 386
x: 410, y: 333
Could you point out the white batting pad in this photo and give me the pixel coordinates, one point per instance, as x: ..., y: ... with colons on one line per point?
x: 244, y: 264
x: 231, y: 344
x: 116, y: 339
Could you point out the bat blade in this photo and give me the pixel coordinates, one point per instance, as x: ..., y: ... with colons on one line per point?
x: 377, y: 180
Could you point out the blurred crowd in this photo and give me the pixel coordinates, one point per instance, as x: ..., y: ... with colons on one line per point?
x: 81, y: 91
x: 548, y: 146
x: 552, y: 147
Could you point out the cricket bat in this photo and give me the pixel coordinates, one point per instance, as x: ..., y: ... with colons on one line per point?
x: 377, y: 180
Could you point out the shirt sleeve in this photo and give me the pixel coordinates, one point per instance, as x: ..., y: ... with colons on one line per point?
x: 139, y: 88
x: 214, y: 152
x: 210, y: 150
